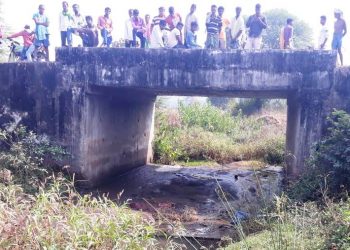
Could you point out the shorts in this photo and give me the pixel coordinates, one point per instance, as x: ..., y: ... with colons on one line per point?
x: 337, y: 41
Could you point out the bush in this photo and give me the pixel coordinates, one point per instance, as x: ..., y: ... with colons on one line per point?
x: 23, y: 154
x: 56, y: 219
x: 204, y: 132
x: 39, y: 210
x: 290, y: 225
x: 246, y: 106
x: 329, y: 166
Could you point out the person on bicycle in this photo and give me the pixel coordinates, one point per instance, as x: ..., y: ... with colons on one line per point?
x: 41, y: 30
x: 28, y: 42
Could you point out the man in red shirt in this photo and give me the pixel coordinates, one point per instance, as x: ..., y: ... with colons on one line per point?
x: 173, y: 19
x: 139, y: 28
x: 105, y: 24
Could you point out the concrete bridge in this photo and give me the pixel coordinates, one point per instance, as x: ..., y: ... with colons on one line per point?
x: 99, y: 103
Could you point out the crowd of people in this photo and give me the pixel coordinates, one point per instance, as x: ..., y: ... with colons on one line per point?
x: 170, y: 30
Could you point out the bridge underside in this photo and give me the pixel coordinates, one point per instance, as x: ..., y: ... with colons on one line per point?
x: 99, y: 103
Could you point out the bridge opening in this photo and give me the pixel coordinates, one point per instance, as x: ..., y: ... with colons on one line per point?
x: 217, y: 130
x: 199, y: 145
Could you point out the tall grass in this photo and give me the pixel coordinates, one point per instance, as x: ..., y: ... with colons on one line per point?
x: 57, y: 217
x: 42, y: 210
x: 290, y: 225
x: 205, y: 132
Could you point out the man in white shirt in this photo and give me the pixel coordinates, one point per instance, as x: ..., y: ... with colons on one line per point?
x: 323, y: 36
x: 237, y: 30
x: 128, y: 30
x: 78, y: 23
x: 190, y: 18
x: 157, y: 35
x: 175, y: 37
x: 65, y: 23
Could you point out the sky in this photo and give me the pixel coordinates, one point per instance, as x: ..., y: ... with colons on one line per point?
x: 17, y: 13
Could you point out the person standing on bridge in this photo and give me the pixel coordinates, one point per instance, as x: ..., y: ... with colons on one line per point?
x: 66, y: 23
x: 287, y: 34
x: 139, y: 28
x: 173, y: 19
x: 340, y: 31
x: 323, y: 35
x: 128, y: 30
x: 41, y: 30
x: 148, y: 29
x: 214, y: 25
x: 256, y: 24
x: 225, y: 26
x: 190, y: 18
x: 237, y: 30
x: 157, y: 19
x: 105, y: 24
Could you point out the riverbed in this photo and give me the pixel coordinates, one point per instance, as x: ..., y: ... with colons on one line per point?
x: 198, y: 205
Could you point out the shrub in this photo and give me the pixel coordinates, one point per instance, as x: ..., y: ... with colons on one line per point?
x: 39, y: 210
x: 23, y: 154
x: 290, y: 225
x: 246, y: 106
x: 56, y: 219
x: 329, y: 166
x: 204, y: 132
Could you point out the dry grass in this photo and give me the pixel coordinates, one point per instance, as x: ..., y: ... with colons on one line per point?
x: 59, y: 218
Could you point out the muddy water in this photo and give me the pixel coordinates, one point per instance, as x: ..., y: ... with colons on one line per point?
x: 194, y: 202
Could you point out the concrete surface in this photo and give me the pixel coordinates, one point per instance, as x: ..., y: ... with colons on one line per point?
x: 99, y: 103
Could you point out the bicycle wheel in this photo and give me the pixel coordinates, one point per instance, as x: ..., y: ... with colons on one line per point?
x: 12, y: 57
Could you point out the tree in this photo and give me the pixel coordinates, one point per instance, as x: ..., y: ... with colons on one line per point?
x: 276, y: 19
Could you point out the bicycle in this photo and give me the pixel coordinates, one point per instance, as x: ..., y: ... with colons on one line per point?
x: 16, y: 52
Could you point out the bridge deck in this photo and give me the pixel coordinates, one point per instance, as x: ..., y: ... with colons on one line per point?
x: 265, y: 73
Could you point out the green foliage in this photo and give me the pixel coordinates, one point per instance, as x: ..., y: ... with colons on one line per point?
x: 290, y: 225
x: 247, y: 106
x: 23, y: 154
x: 329, y: 166
x: 39, y: 210
x: 220, y: 102
x: 276, y: 19
x: 212, y: 119
x: 207, y: 133
x: 56, y: 219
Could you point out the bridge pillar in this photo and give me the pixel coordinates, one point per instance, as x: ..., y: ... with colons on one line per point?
x: 111, y: 131
x: 306, y: 115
